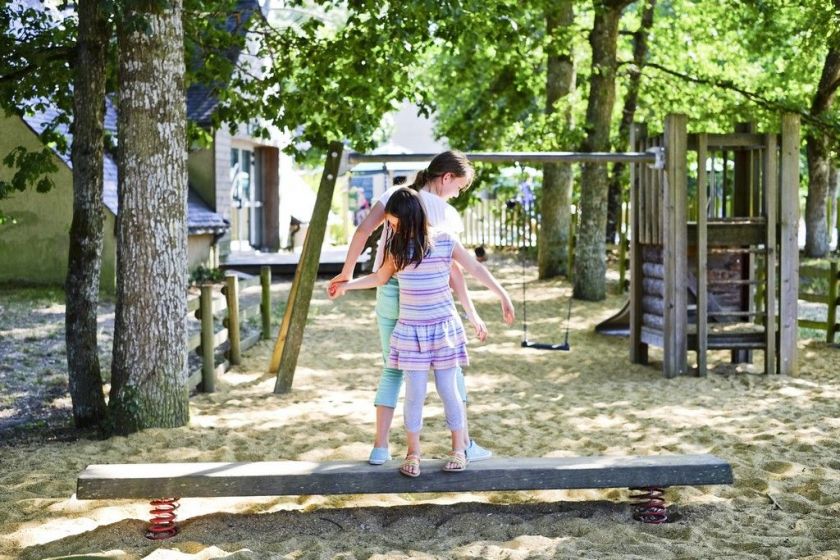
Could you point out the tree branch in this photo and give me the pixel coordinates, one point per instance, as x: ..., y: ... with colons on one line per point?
x: 39, y: 58
x: 830, y: 129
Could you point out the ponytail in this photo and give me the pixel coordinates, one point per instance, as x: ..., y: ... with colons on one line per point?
x: 420, y: 179
x: 450, y: 161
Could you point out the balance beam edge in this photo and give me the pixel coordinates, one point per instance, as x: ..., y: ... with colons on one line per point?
x: 294, y: 478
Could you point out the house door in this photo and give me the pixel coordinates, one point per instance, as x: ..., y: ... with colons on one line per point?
x: 246, y: 206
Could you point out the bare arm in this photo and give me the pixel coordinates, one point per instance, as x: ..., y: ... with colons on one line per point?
x: 378, y: 278
x: 459, y: 284
x: 372, y: 221
x: 480, y: 273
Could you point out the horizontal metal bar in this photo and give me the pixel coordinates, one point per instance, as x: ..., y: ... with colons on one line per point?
x: 513, y: 157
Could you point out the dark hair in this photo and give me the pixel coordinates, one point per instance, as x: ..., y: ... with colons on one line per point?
x: 450, y: 161
x: 410, y: 242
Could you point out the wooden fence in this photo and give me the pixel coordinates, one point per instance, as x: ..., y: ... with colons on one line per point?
x: 223, y: 304
x: 830, y: 299
x: 495, y: 223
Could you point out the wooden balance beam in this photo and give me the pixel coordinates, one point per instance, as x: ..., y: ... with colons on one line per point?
x: 282, y: 478
x: 168, y: 482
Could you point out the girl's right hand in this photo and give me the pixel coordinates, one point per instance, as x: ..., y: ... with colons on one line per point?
x: 478, y: 325
x: 335, y: 291
x: 508, y: 313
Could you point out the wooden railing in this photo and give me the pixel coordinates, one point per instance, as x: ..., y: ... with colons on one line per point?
x: 223, y: 304
x: 830, y: 299
x: 493, y: 223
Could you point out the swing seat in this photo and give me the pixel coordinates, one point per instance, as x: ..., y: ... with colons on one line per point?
x: 546, y: 346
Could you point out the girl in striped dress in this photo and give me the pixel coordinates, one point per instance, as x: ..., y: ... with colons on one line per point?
x: 429, y: 333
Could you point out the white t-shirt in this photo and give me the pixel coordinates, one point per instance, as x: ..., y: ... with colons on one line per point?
x: 440, y: 215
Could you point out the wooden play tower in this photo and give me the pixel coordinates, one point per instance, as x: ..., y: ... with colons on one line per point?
x: 714, y: 249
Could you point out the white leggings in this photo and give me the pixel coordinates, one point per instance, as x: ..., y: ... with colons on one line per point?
x: 415, y: 396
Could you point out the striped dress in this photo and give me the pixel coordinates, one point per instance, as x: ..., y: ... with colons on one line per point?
x: 429, y: 332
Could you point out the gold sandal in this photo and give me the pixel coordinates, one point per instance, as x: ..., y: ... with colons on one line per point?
x: 456, y: 462
x: 411, y: 465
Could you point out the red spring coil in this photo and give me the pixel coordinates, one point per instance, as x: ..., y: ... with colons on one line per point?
x: 650, y: 505
x: 162, y: 525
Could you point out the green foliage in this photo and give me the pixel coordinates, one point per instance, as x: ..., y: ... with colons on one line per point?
x: 205, y: 275
x: 31, y: 170
x: 35, y: 48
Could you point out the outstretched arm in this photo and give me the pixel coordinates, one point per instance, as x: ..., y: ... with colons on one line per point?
x: 462, y: 257
x: 378, y: 278
x: 372, y: 221
x: 459, y: 285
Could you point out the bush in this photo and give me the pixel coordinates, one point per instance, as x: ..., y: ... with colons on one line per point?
x: 204, y: 275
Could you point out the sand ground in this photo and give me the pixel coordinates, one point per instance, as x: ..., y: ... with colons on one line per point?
x: 781, y: 435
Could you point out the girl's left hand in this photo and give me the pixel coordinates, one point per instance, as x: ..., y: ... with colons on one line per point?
x: 478, y: 325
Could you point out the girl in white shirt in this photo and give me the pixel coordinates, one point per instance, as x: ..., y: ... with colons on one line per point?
x: 448, y: 174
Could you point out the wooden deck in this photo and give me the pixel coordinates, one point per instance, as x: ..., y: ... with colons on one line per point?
x: 289, y: 478
x: 285, y: 263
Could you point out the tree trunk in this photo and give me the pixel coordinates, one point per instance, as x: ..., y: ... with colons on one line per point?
x: 552, y: 253
x: 149, y: 375
x: 816, y: 229
x: 590, y: 257
x: 85, y: 256
x: 832, y: 197
x: 628, y: 113
x: 817, y: 236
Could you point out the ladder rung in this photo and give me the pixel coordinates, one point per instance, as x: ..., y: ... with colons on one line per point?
x: 754, y: 220
x: 736, y: 250
x: 745, y: 341
x: 736, y: 314
x: 739, y: 282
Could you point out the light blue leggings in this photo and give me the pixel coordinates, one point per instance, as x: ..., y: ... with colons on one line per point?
x: 387, y: 313
x: 415, y: 396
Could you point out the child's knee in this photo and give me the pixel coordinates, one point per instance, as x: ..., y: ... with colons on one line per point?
x: 388, y: 392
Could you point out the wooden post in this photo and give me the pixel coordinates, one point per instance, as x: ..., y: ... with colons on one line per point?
x: 622, y: 251
x: 702, y: 256
x: 674, y: 235
x: 231, y: 292
x: 638, y: 184
x: 287, y: 348
x: 771, y: 194
x: 208, y: 361
x: 265, y: 304
x: 570, y: 267
x: 789, y: 249
x: 832, y: 303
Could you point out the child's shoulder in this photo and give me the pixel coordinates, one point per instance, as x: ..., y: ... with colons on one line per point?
x: 441, y: 238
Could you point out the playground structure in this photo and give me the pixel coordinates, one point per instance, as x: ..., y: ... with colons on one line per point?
x: 705, y: 270
x: 287, y: 348
x: 724, y: 267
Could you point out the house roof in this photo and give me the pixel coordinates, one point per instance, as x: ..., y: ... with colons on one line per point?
x: 201, y: 98
x: 200, y: 217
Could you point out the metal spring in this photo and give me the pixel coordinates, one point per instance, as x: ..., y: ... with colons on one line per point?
x: 650, y: 505
x: 162, y: 524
